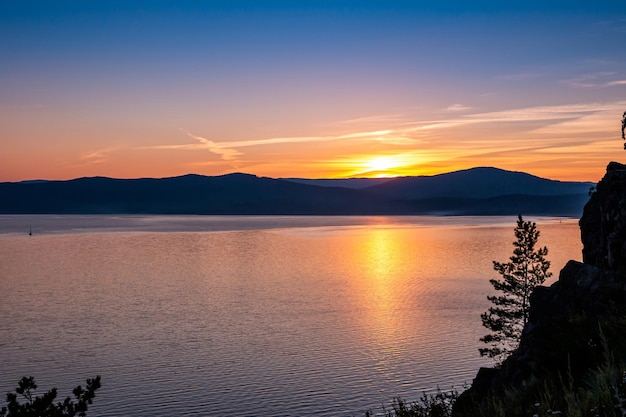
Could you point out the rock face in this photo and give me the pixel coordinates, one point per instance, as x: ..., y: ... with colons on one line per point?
x: 603, y: 224
x: 573, y: 321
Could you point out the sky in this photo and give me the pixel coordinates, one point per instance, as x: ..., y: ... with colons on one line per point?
x: 310, y: 89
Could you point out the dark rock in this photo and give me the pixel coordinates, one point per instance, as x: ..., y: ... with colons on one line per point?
x: 603, y: 223
x: 571, y: 322
x: 578, y: 276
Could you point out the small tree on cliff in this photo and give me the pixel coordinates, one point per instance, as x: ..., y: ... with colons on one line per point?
x: 526, y: 269
x: 624, y: 128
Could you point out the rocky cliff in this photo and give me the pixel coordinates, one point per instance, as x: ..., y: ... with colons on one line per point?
x: 603, y: 224
x: 572, y: 350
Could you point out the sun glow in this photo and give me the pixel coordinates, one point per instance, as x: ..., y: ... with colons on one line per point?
x: 385, y: 166
x: 382, y: 163
x: 380, y: 166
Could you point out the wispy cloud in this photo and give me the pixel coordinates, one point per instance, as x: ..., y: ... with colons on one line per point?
x: 527, y: 114
x: 228, y: 154
x: 403, y: 133
x: 594, y: 80
x: 537, y: 113
x: 228, y: 151
x: 96, y: 156
x: 458, y: 107
x: 375, y: 119
x: 457, y: 138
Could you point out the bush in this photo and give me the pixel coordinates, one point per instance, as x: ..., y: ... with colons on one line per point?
x: 24, y: 403
x: 438, y: 404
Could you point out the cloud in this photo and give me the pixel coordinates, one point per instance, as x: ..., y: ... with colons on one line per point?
x: 538, y: 130
x: 228, y: 151
x: 594, y: 80
x: 376, y: 119
x: 95, y: 157
x: 537, y: 113
x: 376, y: 133
x: 563, y: 120
x: 458, y: 107
x: 228, y: 154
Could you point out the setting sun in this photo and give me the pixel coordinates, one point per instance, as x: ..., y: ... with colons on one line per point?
x: 382, y: 163
x: 387, y: 166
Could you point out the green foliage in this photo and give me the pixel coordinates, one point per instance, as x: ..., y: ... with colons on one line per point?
x: 24, y: 403
x: 526, y: 269
x: 438, y: 404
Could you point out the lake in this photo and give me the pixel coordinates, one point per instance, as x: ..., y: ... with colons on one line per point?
x: 252, y: 315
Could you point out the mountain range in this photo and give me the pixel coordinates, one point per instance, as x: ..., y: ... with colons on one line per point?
x: 475, y: 191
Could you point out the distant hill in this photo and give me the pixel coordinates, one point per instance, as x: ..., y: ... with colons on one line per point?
x: 355, y: 183
x: 478, y: 191
x: 188, y: 194
x: 482, y: 182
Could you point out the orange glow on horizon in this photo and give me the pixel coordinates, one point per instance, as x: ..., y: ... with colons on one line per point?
x: 293, y: 104
x: 373, y: 166
x: 552, y: 152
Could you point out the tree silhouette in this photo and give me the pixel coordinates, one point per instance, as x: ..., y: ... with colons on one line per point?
x: 28, y: 405
x: 624, y: 128
x: 526, y: 269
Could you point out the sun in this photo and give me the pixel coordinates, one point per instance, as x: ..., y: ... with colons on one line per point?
x: 381, y: 163
x: 379, y: 166
x: 383, y: 166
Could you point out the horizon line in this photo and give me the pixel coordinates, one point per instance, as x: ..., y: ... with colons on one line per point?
x: 386, y: 177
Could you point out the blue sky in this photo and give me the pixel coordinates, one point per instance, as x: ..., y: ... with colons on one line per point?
x: 309, y: 88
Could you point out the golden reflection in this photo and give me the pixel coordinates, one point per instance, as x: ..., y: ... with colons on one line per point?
x: 382, y: 256
x: 395, y: 272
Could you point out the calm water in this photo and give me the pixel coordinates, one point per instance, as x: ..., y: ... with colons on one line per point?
x: 251, y: 316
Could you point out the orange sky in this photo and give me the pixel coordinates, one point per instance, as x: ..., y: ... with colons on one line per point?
x: 560, y: 142
x: 312, y: 92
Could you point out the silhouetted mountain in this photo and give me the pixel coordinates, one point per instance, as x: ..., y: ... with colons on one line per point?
x: 479, y: 191
x: 482, y: 182
x: 189, y: 194
x: 354, y: 183
x: 537, y: 205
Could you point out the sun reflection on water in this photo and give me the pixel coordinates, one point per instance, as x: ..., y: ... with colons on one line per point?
x: 389, y: 288
x: 379, y: 254
x: 281, y: 320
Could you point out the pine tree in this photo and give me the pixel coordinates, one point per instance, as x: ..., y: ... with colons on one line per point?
x: 624, y: 128
x: 526, y: 269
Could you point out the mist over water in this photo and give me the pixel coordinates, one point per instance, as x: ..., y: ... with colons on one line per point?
x: 261, y: 315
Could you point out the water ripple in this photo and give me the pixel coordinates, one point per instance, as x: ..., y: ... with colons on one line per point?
x: 249, y: 322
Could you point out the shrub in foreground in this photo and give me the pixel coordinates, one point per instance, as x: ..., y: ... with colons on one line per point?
x: 438, y: 404
x: 25, y: 403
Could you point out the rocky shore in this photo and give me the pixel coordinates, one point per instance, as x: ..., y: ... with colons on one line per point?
x: 571, y: 353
